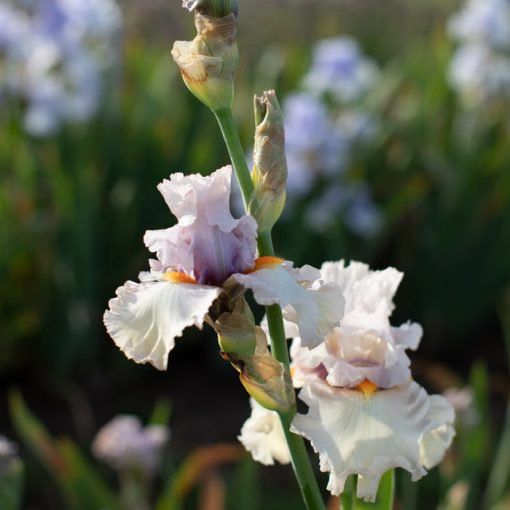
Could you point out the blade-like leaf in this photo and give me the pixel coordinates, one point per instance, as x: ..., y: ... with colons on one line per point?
x: 11, y: 485
x: 81, y: 488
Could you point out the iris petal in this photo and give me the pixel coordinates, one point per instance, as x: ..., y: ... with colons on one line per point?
x: 356, y: 434
x: 145, y: 318
x: 315, y: 308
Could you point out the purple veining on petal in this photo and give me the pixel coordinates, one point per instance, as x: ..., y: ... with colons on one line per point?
x: 208, y: 243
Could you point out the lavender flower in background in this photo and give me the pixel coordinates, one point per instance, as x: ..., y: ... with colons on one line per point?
x: 313, y: 145
x: 339, y: 68
x: 352, y: 204
x: 321, y: 136
x: 124, y: 443
x: 484, y: 22
x: 55, y: 54
x: 480, y: 68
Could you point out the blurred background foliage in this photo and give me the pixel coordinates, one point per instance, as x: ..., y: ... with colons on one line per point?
x: 74, y: 207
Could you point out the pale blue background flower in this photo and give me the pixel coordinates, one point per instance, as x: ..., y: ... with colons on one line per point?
x: 483, y: 21
x: 312, y: 143
x: 339, y: 68
x: 55, y: 53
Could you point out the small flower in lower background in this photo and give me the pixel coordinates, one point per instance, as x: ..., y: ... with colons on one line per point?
x: 124, y: 443
x: 8, y: 452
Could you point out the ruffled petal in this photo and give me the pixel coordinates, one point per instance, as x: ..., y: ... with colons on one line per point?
x: 145, y: 318
x: 363, y: 434
x: 307, y: 364
x: 370, y: 291
x: 172, y: 247
x: 262, y: 435
x: 195, y: 196
x: 436, y: 441
x: 208, y: 243
x: 315, y: 307
x: 364, y: 355
x: 408, y: 335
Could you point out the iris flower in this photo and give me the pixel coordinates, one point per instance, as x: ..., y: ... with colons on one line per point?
x: 365, y: 414
x: 198, y: 260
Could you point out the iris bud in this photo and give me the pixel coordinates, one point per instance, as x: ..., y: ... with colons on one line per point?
x: 269, y: 173
x: 209, y: 62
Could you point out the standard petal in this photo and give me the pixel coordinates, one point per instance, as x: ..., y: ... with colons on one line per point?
x: 364, y: 355
x: 437, y: 440
x: 195, y: 196
x: 145, y: 318
x: 366, y: 290
x: 316, y: 308
x: 262, y: 435
x: 365, y: 435
x: 408, y: 335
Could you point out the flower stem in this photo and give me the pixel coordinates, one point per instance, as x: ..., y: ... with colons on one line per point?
x: 235, y: 150
x: 300, y: 460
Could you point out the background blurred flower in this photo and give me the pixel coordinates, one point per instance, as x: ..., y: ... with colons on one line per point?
x: 480, y: 67
x: 483, y: 21
x: 339, y: 68
x: 124, y: 443
x: 8, y: 451
x: 55, y: 54
x: 313, y: 145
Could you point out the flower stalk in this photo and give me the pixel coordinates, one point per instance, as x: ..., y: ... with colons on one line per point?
x: 299, y: 456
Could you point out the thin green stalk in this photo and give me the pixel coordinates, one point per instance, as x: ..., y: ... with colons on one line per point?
x: 235, y: 150
x: 300, y: 460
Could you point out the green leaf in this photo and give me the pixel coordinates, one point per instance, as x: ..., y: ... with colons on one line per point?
x: 385, y: 495
x: 192, y: 470
x: 79, y: 485
x: 349, y: 494
x: 161, y: 412
x: 11, y: 485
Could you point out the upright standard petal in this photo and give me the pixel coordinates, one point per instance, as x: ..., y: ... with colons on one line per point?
x: 315, y: 308
x: 365, y: 433
x: 208, y: 243
x: 191, y: 197
x: 145, y: 318
x: 262, y: 435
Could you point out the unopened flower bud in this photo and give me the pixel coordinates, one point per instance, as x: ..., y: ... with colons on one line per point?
x: 269, y: 173
x: 209, y: 62
x: 263, y: 377
x: 216, y: 8
x: 236, y: 330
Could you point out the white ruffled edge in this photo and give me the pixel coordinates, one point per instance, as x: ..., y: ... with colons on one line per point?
x: 145, y: 318
x: 368, y: 435
x: 316, y: 308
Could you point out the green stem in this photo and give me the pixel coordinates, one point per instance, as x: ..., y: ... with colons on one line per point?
x: 300, y: 460
x: 235, y: 150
